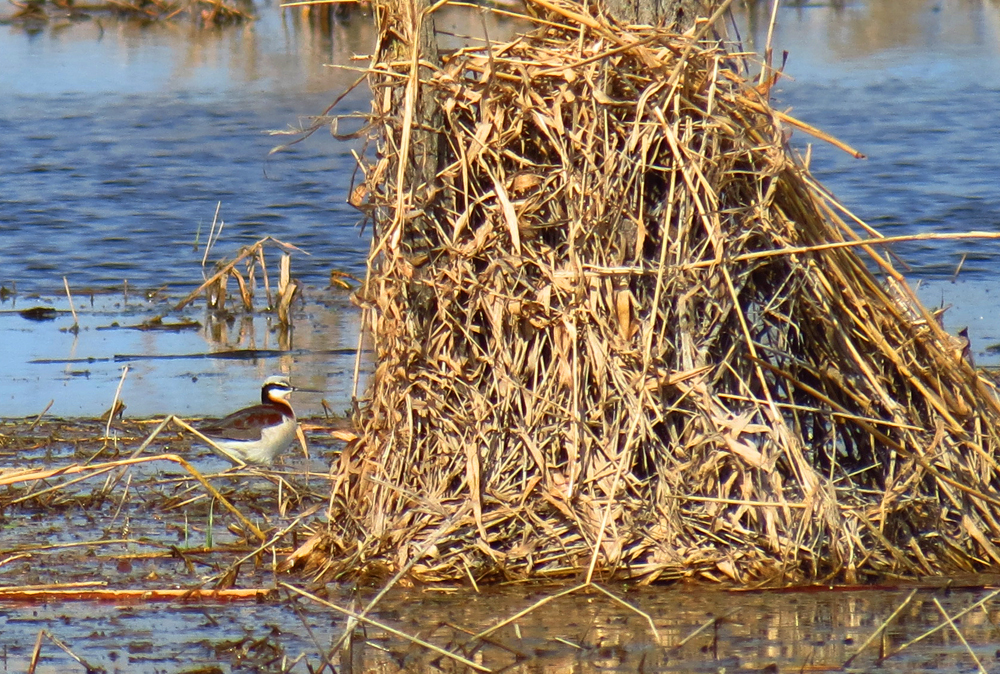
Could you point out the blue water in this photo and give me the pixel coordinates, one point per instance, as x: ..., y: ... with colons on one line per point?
x: 118, y: 143
x: 117, y: 149
x: 915, y: 86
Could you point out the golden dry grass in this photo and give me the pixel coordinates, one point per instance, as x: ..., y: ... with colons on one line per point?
x: 623, y: 331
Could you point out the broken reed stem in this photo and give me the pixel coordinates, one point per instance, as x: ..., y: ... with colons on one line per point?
x: 72, y: 309
x: 286, y: 289
x: 36, y: 652
x: 114, y: 403
x: 40, y: 415
x: 212, y: 445
x: 263, y: 273
x: 765, y: 72
x: 212, y: 238
x: 252, y: 250
x: 51, y: 637
x: 879, y: 241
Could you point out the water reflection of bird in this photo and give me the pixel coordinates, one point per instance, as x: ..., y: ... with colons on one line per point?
x: 260, y: 433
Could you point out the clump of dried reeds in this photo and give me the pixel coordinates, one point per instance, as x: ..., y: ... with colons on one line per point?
x: 623, y: 330
x: 251, y: 260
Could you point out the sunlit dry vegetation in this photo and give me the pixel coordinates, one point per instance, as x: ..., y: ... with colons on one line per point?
x: 620, y: 329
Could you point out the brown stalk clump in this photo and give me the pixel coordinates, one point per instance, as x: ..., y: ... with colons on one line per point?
x: 624, y: 331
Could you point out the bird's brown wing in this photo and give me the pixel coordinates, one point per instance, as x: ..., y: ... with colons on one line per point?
x: 245, y: 424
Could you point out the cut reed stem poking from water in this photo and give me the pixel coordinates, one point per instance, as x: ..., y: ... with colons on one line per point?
x: 621, y: 324
x: 69, y: 298
x: 286, y: 289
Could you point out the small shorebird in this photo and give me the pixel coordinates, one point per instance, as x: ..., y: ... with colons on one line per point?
x: 260, y: 433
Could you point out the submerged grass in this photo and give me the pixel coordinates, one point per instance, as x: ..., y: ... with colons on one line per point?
x: 73, y: 496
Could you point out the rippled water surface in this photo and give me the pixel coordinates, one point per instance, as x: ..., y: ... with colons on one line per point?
x: 118, y: 147
x: 119, y: 141
x: 915, y: 86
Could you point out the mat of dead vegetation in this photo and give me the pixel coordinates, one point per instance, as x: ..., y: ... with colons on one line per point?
x: 623, y: 331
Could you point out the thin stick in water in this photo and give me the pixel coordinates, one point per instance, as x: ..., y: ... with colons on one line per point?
x: 114, y: 403
x: 951, y: 623
x: 76, y: 323
x: 211, y: 234
x: 881, y: 628
x: 39, y: 417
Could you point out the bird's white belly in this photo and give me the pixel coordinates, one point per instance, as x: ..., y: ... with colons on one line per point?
x: 273, y: 441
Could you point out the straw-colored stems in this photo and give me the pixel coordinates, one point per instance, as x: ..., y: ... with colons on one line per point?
x: 263, y: 273
x: 224, y: 271
x: 212, y: 236
x: 286, y: 289
x: 101, y: 468
x: 38, y: 648
x: 246, y: 294
x: 212, y: 445
x: 114, y: 403
x: 69, y: 297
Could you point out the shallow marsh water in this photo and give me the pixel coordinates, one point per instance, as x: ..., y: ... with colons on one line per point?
x: 584, y: 632
x: 118, y: 143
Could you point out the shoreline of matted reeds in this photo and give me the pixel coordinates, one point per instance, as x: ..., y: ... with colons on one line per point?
x: 622, y: 332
